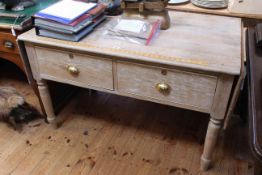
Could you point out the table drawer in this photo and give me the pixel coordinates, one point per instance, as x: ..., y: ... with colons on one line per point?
x: 8, y: 43
x: 76, y: 69
x: 179, y: 87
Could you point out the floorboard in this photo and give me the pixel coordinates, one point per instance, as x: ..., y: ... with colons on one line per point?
x: 106, y: 134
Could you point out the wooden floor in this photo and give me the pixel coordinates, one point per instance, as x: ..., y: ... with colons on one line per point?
x: 106, y: 134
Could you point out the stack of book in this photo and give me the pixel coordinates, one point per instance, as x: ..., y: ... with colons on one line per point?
x: 69, y: 20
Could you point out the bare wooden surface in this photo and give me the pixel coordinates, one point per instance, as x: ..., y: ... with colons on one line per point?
x: 221, y: 98
x: 92, y: 71
x: 185, y: 88
x: 46, y: 99
x: 154, y: 141
x: 239, y: 83
x: 190, y: 90
x: 212, y: 135
x: 241, y: 13
x: 217, y: 114
x: 248, y: 8
x: 197, y: 41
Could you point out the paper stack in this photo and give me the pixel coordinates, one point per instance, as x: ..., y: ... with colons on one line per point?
x: 68, y: 20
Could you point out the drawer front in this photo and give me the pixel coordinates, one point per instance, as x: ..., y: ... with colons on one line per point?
x: 8, y: 43
x: 183, y: 88
x: 76, y: 69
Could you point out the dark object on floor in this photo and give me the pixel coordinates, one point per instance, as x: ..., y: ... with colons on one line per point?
x: 254, y: 75
x: 258, y: 34
x: 14, y: 110
x: 85, y: 132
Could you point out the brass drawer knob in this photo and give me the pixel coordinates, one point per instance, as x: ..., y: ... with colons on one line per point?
x: 8, y: 44
x: 72, y: 70
x: 163, y: 88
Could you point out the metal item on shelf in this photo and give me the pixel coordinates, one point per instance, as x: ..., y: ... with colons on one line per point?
x: 112, y: 7
x: 177, y: 2
x: 148, y: 9
x: 212, y: 4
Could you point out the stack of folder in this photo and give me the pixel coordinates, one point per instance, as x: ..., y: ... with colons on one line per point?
x: 69, y: 20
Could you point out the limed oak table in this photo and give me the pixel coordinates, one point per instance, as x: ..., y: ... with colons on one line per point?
x: 192, y: 65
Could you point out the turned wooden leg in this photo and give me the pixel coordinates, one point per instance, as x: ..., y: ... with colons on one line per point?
x: 210, y: 142
x: 47, y: 102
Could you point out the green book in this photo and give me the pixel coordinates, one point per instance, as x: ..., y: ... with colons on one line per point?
x: 25, y: 21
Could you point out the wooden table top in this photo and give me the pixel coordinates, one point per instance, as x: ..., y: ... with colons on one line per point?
x: 196, y: 41
x: 189, y: 7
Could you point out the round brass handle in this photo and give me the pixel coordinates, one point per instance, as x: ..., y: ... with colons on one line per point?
x: 72, y: 70
x: 163, y: 87
x: 8, y: 44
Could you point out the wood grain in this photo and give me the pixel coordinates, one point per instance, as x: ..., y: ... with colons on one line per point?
x: 32, y: 59
x: 221, y: 98
x: 8, y: 37
x: 92, y: 71
x: 10, y: 54
x: 46, y: 99
x: 195, y: 41
x: 185, y: 88
x: 213, y: 129
x: 156, y: 133
x: 245, y: 13
x: 246, y: 7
